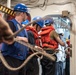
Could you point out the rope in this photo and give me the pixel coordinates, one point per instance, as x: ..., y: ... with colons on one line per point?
x: 26, y: 61
x: 33, y: 48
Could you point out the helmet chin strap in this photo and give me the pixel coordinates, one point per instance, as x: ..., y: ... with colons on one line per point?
x: 36, y: 27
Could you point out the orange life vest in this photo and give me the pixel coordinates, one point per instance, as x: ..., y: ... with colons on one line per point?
x: 47, y: 41
x: 35, y: 33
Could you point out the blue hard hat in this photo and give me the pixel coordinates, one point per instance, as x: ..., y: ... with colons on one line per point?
x: 39, y: 22
x: 21, y: 8
x: 49, y: 21
x: 25, y: 22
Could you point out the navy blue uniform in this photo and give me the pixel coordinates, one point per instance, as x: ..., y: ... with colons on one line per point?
x: 16, y: 53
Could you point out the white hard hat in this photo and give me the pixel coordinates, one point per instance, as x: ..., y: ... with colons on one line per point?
x: 60, y: 31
